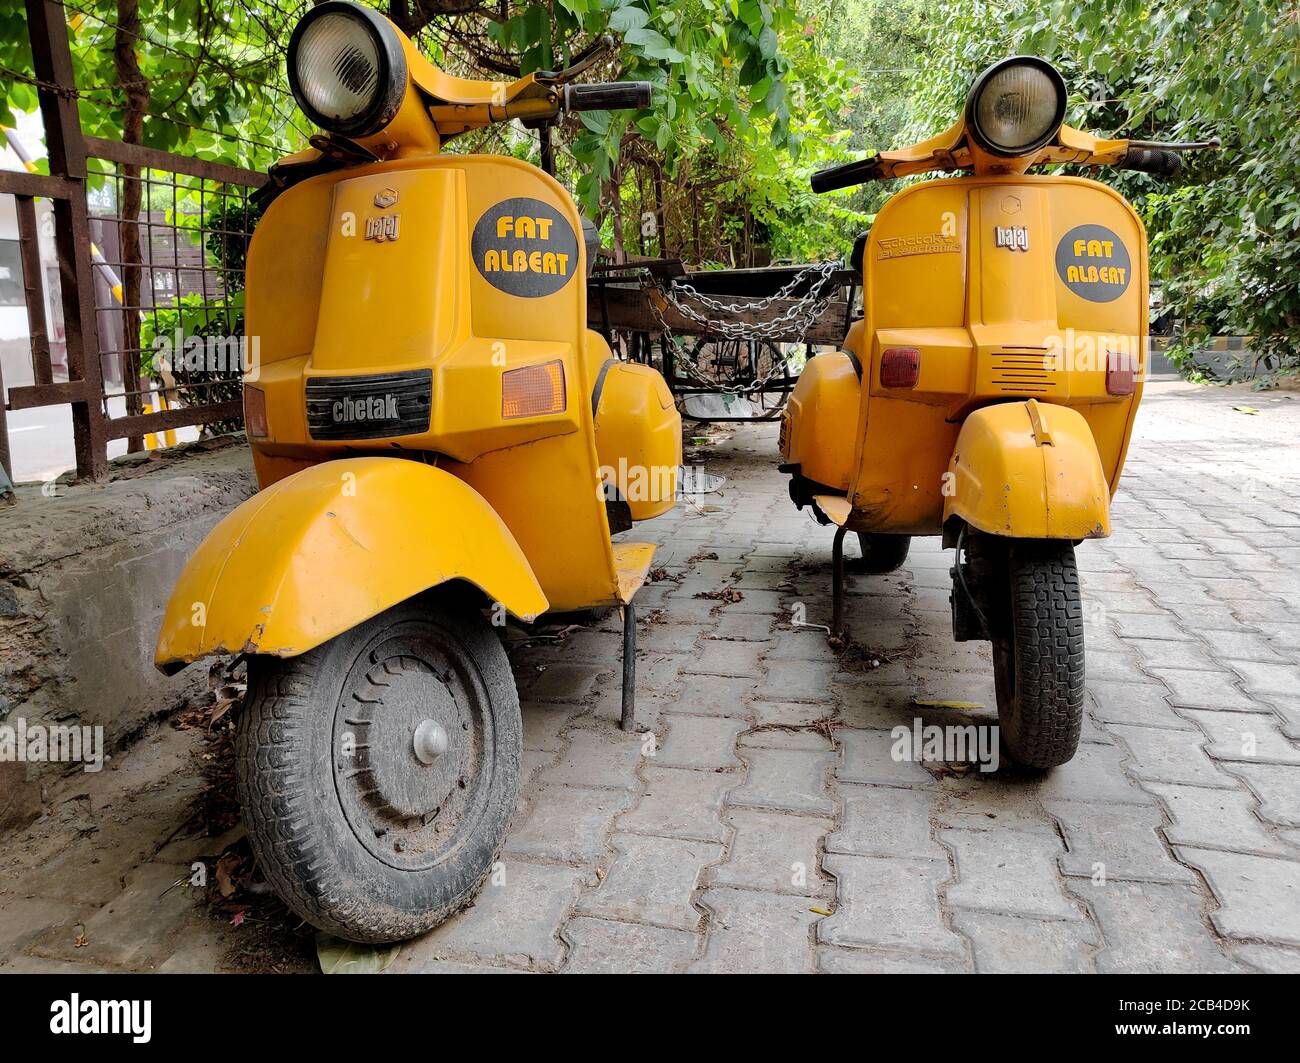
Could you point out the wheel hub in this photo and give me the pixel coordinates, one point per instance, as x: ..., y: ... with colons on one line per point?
x: 409, y: 743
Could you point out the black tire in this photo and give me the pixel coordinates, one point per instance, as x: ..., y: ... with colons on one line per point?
x: 359, y: 837
x: 882, y: 553
x: 1038, y: 663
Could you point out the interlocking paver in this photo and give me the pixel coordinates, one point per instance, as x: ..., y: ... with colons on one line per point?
x: 680, y: 803
x: 1144, y: 705
x: 1007, y: 871
x: 868, y: 961
x: 888, y: 903
x: 566, y: 823
x: 773, y: 852
x: 602, y: 946
x: 1151, y: 928
x: 702, y: 742
x: 651, y: 881
x: 1245, y: 736
x: 717, y: 657
x: 1260, y: 895
x: 1014, y: 944
x: 1215, y: 819
x: 1204, y: 690
x: 756, y: 933
x: 1170, y: 756
x: 597, y: 756
x: 1268, y: 959
x: 792, y: 779
x: 709, y: 695
x: 515, y: 918
x: 885, y: 821
x: 797, y: 680
x: 868, y: 758
x: 1278, y: 789
x: 1120, y: 842
x: 1095, y: 774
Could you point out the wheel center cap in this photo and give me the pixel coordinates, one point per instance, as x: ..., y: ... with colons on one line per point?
x: 430, y: 741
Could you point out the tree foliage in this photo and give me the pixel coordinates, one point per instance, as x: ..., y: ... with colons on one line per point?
x: 1225, y: 236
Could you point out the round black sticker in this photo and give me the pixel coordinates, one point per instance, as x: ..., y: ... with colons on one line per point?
x: 1093, y: 263
x: 525, y: 247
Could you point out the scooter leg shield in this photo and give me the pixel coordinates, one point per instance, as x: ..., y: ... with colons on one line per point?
x: 1028, y: 470
x: 324, y: 549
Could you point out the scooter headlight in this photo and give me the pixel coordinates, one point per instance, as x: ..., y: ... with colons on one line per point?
x: 1016, y: 106
x: 347, y: 68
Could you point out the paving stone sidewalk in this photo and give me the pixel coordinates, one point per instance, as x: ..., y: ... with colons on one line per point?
x: 760, y: 823
x: 766, y: 827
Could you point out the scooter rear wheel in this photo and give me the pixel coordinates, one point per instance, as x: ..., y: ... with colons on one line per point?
x: 882, y: 553
x: 378, y: 773
x: 1038, y: 662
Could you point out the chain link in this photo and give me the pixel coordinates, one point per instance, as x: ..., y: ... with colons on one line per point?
x: 796, y: 319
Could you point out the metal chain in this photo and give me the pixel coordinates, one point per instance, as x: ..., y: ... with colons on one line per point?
x: 796, y: 319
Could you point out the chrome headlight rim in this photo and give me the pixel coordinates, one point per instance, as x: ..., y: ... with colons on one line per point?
x: 392, y: 71
x: 981, y: 83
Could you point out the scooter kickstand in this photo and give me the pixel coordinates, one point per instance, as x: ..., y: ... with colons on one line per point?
x: 629, y: 668
x: 837, y: 583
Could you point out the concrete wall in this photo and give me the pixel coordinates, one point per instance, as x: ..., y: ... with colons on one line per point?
x: 83, y: 581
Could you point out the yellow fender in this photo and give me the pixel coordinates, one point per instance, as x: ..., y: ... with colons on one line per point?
x: 1028, y: 470
x: 324, y: 549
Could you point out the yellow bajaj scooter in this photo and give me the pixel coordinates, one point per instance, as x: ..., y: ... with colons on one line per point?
x: 437, y: 437
x: 989, y: 391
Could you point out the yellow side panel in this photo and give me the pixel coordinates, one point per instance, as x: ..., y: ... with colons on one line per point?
x: 821, y: 416
x: 638, y: 438
x: 329, y: 547
x: 1029, y: 470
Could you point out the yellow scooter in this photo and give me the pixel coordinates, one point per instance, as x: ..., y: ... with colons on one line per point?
x: 440, y: 442
x: 989, y: 391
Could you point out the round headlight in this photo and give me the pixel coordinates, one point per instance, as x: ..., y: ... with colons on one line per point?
x: 1016, y: 106
x: 347, y: 68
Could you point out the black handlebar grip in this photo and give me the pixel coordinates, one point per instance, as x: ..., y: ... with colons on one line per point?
x: 1154, y: 161
x: 846, y: 175
x: 608, y: 96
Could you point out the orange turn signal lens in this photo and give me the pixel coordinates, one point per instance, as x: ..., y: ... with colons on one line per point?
x: 533, y: 391
x: 255, y: 413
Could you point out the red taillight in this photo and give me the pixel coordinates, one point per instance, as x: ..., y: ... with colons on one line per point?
x: 900, y: 367
x: 1121, y: 373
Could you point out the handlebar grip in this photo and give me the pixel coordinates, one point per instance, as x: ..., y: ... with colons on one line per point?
x: 1157, y: 162
x: 846, y: 175
x: 608, y: 96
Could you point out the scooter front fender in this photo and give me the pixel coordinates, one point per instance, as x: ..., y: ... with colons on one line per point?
x: 1028, y: 470
x: 324, y: 549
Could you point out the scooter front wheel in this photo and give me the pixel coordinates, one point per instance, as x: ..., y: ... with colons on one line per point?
x: 1038, y: 655
x: 378, y: 773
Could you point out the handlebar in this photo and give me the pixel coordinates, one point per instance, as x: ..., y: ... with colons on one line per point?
x: 846, y: 175
x: 608, y: 96
x: 1158, y: 162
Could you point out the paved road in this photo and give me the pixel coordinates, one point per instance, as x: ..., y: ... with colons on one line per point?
x: 772, y: 829
x: 1172, y: 841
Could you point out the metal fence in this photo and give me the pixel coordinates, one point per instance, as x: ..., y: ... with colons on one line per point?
x: 150, y: 247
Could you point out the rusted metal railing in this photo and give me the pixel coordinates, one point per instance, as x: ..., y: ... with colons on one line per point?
x: 173, y: 275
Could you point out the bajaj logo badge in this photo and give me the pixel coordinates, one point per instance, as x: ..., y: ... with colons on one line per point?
x: 370, y: 408
x: 383, y: 227
x: 386, y: 198
x: 1012, y: 237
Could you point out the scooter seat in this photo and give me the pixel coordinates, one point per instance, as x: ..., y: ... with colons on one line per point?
x: 857, y: 258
